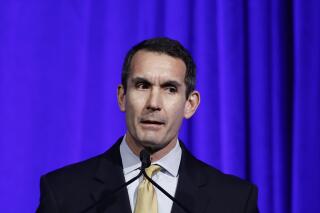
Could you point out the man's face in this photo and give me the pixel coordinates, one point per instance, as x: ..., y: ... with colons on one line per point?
x: 155, y: 102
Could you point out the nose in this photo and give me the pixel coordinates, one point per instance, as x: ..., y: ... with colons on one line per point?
x: 154, y: 100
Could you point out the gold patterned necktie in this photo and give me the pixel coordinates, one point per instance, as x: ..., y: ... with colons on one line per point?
x: 146, y: 196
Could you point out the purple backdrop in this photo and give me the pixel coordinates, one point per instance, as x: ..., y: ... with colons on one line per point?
x: 258, y: 73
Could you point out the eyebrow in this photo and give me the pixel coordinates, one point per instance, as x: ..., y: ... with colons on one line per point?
x: 164, y: 84
x: 171, y: 83
x: 140, y: 80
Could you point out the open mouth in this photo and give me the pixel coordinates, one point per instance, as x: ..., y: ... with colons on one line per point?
x: 152, y: 122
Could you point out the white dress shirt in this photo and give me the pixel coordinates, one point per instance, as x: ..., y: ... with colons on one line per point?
x: 167, y: 177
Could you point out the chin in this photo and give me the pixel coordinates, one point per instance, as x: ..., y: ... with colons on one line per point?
x: 152, y: 144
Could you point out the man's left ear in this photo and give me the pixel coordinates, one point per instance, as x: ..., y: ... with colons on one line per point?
x: 192, y: 104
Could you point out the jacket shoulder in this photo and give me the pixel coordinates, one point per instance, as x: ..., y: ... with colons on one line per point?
x: 82, y: 169
x: 224, y: 179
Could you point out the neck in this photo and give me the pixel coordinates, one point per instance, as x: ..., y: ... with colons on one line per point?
x: 136, y: 148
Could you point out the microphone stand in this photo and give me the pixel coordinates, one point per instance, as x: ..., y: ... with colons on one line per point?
x: 114, y: 192
x: 145, y: 162
x: 164, y: 191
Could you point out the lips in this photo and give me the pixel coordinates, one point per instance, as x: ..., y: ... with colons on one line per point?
x: 152, y: 122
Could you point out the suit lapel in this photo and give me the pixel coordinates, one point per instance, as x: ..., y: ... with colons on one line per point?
x: 109, y: 177
x: 191, y: 185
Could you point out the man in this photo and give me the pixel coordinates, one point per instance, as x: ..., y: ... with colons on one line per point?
x: 157, y: 92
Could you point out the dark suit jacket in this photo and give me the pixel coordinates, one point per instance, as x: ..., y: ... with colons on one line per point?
x: 201, y: 188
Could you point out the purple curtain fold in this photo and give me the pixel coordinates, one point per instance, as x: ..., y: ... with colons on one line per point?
x: 258, y: 64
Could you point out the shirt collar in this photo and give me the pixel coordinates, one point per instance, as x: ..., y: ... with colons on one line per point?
x: 131, y: 162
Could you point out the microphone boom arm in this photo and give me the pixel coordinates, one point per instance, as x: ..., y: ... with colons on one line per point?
x: 165, y: 192
x: 114, y: 191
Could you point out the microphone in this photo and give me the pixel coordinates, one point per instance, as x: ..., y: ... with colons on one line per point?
x: 145, y: 163
x: 145, y: 159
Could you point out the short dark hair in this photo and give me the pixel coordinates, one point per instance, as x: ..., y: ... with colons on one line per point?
x: 166, y: 46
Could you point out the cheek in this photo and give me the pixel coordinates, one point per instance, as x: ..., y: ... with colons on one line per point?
x: 134, y: 106
x: 177, y: 112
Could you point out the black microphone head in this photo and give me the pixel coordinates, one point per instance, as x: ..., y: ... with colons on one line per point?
x: 145, y: 159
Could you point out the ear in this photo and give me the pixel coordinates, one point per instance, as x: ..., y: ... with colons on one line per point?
x: 121, y: 98
x: 192, y: 104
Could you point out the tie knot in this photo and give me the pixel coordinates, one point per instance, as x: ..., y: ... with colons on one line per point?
x: 151, y: 170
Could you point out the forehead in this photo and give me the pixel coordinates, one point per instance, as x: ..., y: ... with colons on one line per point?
x: 157, y: 66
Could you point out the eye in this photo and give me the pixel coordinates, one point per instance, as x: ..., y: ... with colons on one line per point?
x: 171, y: 89
x: 142, y: 85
